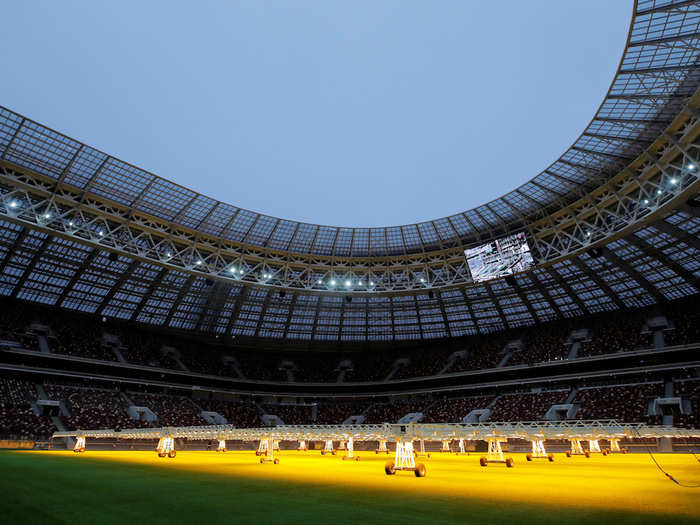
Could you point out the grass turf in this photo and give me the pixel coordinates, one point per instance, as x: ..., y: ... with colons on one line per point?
x: 205, y: 487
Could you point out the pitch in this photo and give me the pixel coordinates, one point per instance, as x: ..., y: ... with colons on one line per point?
x: 305, y: 487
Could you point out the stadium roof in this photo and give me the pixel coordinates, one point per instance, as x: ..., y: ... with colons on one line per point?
x: 87, y: 231
x: 658, y: 71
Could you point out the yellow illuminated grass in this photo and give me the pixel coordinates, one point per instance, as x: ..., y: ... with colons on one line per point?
x: 616, y: 482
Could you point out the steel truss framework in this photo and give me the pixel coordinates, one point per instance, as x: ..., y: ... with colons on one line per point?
x: 86, y: 231
x: 529, y: 430
x: 666, y: 174
x: 656, y: 263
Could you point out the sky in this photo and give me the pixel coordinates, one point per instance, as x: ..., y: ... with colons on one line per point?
x: 347, y: 113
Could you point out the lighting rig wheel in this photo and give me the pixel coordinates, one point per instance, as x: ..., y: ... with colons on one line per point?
x: 333, y: 452
x: 419, y: 471
x: 161, y: 454
x: 223, y: 450
x: 428, y: 455
x: 550, y: 457
x: 344, y: 458
x: 623, y: 450
x: 276, y: 461
x: 528, y: 457
x: 82, y: 449
x: 587, y: 454
x: 376, y: 452
x: 76, y: 450
x: 323, y: 452
x: 604, y: 452
x: 357, y: 458
x: 389, y: 468
x: 509, y: 462
x: 172, y: 454
x: 568, y: 453
x: 483, y: 461
x: 257, y: 452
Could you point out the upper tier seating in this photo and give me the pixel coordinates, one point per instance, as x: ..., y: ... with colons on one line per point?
x: 543, y: 345
x: 616, y: 332
x: 77, y: 334
x: 76, y: 337
x: 686, y: 318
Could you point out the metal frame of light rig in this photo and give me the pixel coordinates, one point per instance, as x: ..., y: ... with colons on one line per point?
x: 528, y: 430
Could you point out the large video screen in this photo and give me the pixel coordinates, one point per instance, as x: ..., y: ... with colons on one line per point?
x: 498, y: 258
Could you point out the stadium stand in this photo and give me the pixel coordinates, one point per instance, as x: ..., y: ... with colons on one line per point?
x: 608, y: 334
x: 424, y: 362
x: 393, y: 411
x: 173, y: 411
x: 237, y: 413
x: 106, y: 407
x: 685, y: 316
x: 543, y: 345
x: 623, y: 403
x: 616, y: 333
x: 15, y: 320
x: 18, y: 419
x: 689, y: 390
x: 482, y: 352
x: 454, y: 410
x: 92, y: 407
x: 292, y: 414
x: 528, y: 406
x: 335, y: 413
x: 140, y: 348
x: 79, y: 339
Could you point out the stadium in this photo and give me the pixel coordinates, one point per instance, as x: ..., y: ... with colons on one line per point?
x: 166, y: 356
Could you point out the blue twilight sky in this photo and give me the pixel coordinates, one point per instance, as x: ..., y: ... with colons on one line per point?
x: 350, y: 113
